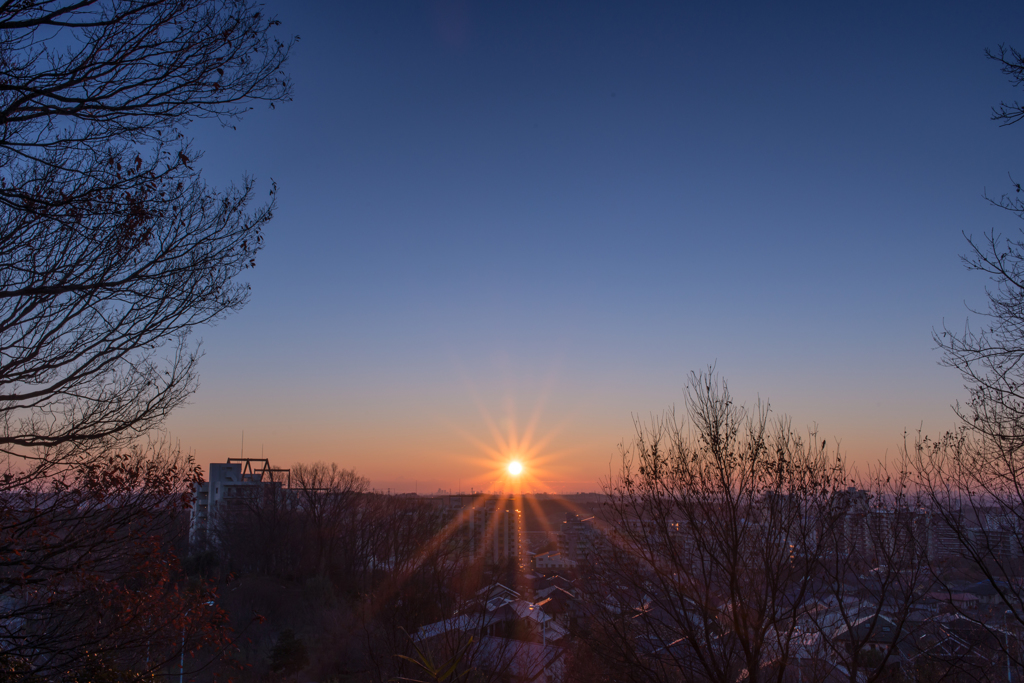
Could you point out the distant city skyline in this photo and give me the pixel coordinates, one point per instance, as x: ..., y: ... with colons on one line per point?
x: 519, y: 225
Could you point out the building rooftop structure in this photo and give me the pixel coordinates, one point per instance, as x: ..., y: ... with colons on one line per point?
x: 230, y: 484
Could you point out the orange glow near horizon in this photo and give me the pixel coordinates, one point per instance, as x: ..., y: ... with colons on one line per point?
x: 513, y: 457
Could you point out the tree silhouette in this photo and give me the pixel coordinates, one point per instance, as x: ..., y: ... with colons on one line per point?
x: 112, y: 251
x: 112, y: 248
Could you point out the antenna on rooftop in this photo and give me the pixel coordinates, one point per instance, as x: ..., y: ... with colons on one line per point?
x: 242, y: 453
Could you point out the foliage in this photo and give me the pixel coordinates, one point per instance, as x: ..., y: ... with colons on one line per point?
x: 451, y: 669
x: 86, y: 570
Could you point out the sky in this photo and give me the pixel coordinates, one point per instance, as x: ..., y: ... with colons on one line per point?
x: 513, y: 228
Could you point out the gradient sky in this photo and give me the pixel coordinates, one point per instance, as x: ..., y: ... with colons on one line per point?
x: 528, y: 221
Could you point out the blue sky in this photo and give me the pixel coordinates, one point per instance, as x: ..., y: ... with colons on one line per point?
x: 497, y: 211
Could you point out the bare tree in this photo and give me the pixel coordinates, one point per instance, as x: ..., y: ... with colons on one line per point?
x: 416, y: 575
x: 973, y: 476
x: 873, y: 568
x: 112, y: 248
x: 990, y: 356
x: 112, y: 251
x: 975, y: 490
x: 328, y: 498
x: 1011, y: 63
x: 714, y: 542
x: 424, y: 607
x: 260, y: 531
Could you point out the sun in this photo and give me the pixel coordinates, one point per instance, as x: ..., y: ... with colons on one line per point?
x: 515, y: 468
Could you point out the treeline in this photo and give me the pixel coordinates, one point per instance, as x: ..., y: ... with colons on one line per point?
x: 344, y: 574
x: 728, y: 548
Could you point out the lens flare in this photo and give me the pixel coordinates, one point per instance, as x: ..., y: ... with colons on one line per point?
x: 515, y: 468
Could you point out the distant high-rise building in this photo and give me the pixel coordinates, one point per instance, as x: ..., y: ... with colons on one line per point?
x: 229, y: 486
x: 578, y: 538
x: 856, y: 537
x: 494, y: 533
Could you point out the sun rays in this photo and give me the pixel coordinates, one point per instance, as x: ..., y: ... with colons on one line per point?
x: 512, y: 457
x: 506, y: 462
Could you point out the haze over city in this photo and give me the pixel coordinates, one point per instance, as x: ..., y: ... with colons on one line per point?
x: 507, y: 229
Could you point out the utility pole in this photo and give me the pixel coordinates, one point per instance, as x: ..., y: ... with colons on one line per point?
x: 1006, y: 625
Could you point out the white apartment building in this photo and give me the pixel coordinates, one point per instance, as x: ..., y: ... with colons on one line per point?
x: 230, y: 483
